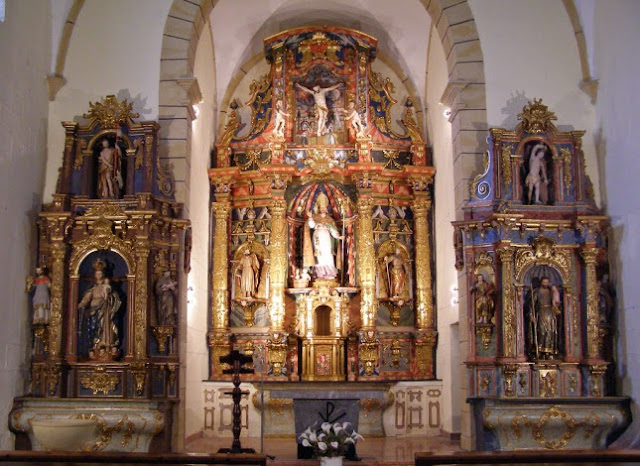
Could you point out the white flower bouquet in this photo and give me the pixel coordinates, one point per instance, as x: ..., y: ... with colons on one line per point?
x: 331, y: 440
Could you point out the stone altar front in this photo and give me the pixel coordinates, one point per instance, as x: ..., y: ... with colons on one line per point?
x: 391, y: 409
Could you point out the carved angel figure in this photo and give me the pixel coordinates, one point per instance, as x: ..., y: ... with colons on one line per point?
x: 353, y: 117
x: 279, y: 121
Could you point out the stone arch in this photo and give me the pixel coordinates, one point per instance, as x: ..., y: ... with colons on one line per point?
x: 179, y: 90
x: 588, y: 84
x: 56, y: 80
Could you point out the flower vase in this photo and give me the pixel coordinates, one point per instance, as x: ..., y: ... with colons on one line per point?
x: 331, y: 461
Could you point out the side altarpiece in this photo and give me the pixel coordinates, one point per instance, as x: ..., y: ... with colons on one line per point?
x: 106, y: 295
x: 541, y: 307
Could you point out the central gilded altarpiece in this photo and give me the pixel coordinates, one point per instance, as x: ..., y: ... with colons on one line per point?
x: 321, y: 208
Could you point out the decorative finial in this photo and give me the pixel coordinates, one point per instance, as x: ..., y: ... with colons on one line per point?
x: 536, y: 117
x: 110, y: 113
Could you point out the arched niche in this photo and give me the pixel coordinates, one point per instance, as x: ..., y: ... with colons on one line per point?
x: 543, y: 172
x: 101, y: 303
x: 97, y: 177
x: 301, y: 205
x: 323, y: 325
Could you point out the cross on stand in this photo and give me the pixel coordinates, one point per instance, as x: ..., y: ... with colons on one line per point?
x: 236, y: 360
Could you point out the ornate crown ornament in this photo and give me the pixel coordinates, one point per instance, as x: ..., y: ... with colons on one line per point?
x: 110, y: 113
x: 536, y: 117
x: 99, y: 265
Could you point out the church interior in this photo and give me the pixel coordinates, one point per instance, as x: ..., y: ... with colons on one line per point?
x: 411, y: 222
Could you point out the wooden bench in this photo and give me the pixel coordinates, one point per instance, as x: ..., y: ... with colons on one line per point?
x: 529, y: 457
x: 39, y: 457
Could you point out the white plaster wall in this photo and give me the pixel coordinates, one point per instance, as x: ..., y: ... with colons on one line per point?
x: 530, y: 51
x: 196, y: 360
x: 616, y: 39
x: 25, y: 57
x: 114, y: 49
x: 439, y: 131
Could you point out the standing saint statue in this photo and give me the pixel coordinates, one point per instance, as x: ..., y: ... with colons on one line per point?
x: 100, y: 306
x: 325, y: 234
x: 322, y: 109
x: 166, y: 291
x: 537, y: 172
x: 397, y: 274
x: 248, y: 271
x: 545, y: 310
x: 40, y: 287
x: 483, y: 300
x: 109, y: 171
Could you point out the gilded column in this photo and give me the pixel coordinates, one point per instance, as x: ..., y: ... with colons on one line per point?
x: 57, y: 250
x: 509, y: 321
x: 589, y: 254
x: 219, y: 285
x: 427, y: 335
x: 424, y: 294
x: 140, y: 312
x: 277, y: 265
x: 366, y: 264
x: 218, y: 337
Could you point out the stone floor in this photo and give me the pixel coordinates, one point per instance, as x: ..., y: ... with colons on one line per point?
x: 386, y: 451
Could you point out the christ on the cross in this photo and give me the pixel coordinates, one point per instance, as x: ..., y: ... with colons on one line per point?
x: 320, y: 97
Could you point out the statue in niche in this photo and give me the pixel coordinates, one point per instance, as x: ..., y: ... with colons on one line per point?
x: 40, y: 289
x: 248, y: 274
x: 100, y: 306
x: 279, y: 120
x: 325, y: 234
x: 537, y: 174
x: 166, y: 292
x: 605, y: 300
x: 484, y: 301
x: 321, y: 108
x: 545, y: 311
x: 109, y: 170
x: 353, y: 117
x: 397, y: 271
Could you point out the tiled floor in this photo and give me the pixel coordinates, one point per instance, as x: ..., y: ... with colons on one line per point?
x: 372, y: 451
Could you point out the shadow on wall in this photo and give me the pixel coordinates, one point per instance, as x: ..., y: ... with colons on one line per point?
x: 512, y: 108
x: 139, y: 106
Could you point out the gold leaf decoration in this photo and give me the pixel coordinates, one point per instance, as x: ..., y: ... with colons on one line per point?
x: 536, y: 117
x: 110, y: 113
x: 100, y: 381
